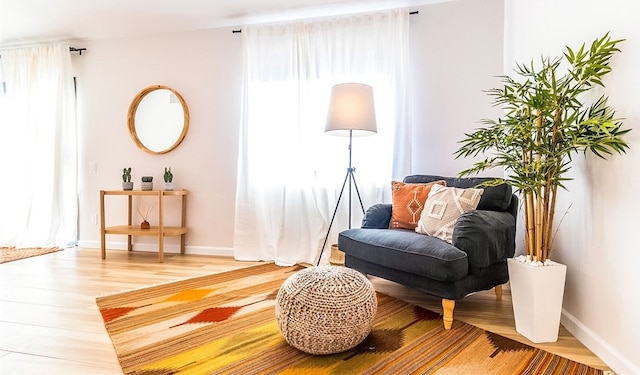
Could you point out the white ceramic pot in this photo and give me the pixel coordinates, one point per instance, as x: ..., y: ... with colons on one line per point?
x: 127, y: 185
x: 168, y: 186
x: 536, y: 294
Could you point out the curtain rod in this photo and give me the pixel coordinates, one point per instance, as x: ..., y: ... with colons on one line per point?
x: 79, y: 50
x: 72, y: 49
x: 240, y: 30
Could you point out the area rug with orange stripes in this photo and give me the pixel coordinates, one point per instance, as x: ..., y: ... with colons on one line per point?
x: 225, y: 324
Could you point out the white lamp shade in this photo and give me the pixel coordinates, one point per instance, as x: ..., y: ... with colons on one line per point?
x: 351, y: 108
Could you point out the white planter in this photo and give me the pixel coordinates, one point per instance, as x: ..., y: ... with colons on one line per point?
x: 537, y: 293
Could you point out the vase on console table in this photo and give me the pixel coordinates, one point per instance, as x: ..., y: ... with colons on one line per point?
x: 147, y: 183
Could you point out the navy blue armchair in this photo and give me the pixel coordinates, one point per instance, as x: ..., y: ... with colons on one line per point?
x: 476, y: 259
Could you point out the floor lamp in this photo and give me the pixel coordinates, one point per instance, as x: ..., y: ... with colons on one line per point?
x: 351, y: 112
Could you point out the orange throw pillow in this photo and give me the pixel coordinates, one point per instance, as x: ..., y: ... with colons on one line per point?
x: 407, y: 203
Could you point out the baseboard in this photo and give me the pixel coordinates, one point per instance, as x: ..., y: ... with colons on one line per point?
x: 168, y: 248
x: 616, y: 361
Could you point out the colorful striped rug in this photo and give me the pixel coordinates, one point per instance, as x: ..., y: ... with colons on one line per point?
x: 8, y: 254
x: 225, y: 324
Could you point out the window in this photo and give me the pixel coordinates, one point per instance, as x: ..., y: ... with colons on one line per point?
x: 290, y: 172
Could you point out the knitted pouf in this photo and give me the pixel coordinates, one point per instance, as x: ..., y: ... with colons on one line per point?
x: 326, y: 309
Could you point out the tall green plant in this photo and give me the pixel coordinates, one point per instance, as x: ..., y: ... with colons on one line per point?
x: 546, y: 121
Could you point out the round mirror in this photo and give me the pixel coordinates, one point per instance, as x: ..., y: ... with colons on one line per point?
x: 158, y: 119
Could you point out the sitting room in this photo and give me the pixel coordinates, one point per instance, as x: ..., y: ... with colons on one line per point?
x: 174, y: 171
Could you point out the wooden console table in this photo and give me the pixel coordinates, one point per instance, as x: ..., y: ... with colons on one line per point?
x: 159, y: 231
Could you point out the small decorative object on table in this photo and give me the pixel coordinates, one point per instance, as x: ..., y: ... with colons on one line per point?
x: 168, y: 179
x: 147, y: 183
x: 144, y: 214
x: 326, y: 309
x: 126, y: 179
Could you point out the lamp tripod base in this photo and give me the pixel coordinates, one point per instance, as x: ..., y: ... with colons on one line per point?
x: 352, y: 181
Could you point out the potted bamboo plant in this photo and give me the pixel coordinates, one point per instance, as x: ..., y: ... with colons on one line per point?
x: 546, y: 122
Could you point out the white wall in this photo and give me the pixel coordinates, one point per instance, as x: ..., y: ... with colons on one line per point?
x: 456, y: 50
x: 456, y: 53
x: 205, y: 68
x: 596, y: 238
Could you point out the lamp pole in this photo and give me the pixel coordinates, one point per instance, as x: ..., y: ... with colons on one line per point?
x: 352, y: 180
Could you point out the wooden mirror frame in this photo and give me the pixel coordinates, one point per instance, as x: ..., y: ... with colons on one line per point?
x: 132, y: 116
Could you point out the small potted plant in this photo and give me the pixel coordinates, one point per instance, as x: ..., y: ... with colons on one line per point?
x: 126, y: 179
x: 168, y: 179
x: 147, y: 183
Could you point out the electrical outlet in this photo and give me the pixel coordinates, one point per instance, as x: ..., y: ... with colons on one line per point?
x: 94, y: 219
x: 93, y: 168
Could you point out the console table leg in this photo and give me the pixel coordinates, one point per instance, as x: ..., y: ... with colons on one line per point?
x: 129, y: 221
x: 103, y: 246
x: 183, y: 223
x: 160, y: 229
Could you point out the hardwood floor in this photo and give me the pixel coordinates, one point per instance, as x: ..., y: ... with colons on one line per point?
x: 49, y: 322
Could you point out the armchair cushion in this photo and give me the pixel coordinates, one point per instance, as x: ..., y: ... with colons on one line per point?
x: 407, y: 251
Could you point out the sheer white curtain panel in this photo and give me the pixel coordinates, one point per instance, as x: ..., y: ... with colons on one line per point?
x: 289, y: 171
x: 38, y: 149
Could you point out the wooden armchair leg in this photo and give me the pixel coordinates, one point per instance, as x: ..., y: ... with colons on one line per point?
x: 498, y: 290
x: 447, y: 316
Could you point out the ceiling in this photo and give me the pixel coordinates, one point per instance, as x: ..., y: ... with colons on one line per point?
x: 25, y: 22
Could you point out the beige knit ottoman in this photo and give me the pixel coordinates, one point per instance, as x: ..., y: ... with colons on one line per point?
x: 326, y: 309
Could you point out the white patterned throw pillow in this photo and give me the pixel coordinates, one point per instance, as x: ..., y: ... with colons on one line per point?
x: 443, y: 207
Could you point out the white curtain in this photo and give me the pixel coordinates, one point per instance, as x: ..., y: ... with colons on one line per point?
x: 38, y: 150
x: 289, y: 171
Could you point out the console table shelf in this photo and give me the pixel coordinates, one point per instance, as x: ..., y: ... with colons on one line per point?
x: 159, y: 231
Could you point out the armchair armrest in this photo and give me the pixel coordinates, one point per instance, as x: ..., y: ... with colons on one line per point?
x: 377, y: 216
x: 487, y: 237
